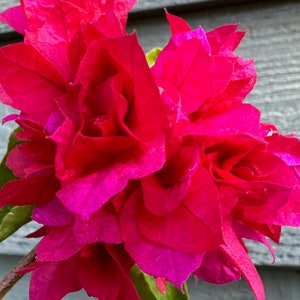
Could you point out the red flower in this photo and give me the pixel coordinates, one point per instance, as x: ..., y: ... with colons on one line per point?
x: 166, y: 168
x: 51, y: 33
x: 222, y: 181
x: 104, y: 127
x: 101, y: 269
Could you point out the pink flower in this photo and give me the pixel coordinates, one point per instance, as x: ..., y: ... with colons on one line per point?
x: 103, y: 127
x: 222, y: 180
x: 51, y: 33
x: 103, y: 144
x: 164, y: 168
x: 259, y: 193
x: 76, y: 253
x: 66, y: 233
x: 91, y: 116
x: 101, y: 269
x: 170, y: 209
x: 32, y: 162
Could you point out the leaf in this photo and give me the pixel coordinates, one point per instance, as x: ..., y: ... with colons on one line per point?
x: 5, y: 173
x: 14, y: 218
x: 11, y: 217
x: 147, y: 288
x: 151, y: 56
x: 4, y: 211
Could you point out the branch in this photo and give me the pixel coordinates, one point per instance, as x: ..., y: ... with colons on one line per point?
x: 12, y: 277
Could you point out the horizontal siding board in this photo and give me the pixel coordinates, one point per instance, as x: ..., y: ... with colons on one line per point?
x: 142, y: 5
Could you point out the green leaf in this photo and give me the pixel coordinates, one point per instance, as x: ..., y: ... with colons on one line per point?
x: 151, y: 56
x: 13, y: 218
x: 147, y: 289
x: 4, y: 211
x: 5, y: 173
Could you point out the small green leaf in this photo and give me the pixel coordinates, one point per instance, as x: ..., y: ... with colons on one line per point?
x: 5, y: 173
x: 4, y: 211
x: 151, y: 56
x: 11, y: 217
x: 147, y: 289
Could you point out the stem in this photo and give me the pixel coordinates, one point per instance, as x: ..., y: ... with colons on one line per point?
x: 12, y: 277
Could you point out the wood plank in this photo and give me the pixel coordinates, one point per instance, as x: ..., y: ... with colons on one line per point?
x: 156, y: 7
x: 4, y: 4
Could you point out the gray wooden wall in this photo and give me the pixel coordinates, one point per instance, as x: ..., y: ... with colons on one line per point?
x: 273, y: 38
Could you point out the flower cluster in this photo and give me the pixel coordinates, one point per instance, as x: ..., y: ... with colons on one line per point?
x: 165, y: 167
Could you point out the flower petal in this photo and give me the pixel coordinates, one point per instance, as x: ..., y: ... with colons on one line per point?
x: 152, y: 258
x: 238, y: 256
x: 53, y: 280
x: 15, y: 17
x: 29, y: 81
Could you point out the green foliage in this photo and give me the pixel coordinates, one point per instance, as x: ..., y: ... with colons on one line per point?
x: 151, y: 56
x: 147, y: 289
x: 5, y: 173
x: 11, y: 217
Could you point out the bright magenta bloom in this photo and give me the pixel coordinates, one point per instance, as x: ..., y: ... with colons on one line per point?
x: 95, y: 123
x: 76, y: 253
x: 102, y: 270
x: 223, y: 179
x: 92, y: 119
x: 51, y: 33
x: 165, y: 168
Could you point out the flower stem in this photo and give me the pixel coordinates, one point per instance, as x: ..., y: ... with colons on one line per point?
x: 12, y: 277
